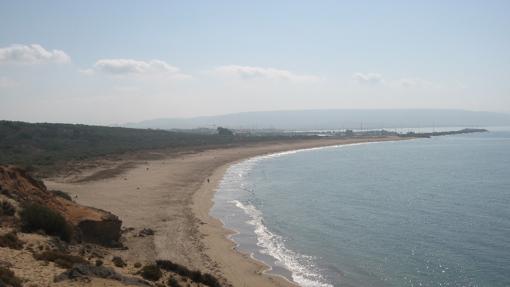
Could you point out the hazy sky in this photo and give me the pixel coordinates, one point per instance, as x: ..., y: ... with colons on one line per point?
x: 122, y: 61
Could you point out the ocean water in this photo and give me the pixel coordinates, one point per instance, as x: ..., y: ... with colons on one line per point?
x: 425, y: 212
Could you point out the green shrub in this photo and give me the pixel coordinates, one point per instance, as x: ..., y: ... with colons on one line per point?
x: 61, y: 259
x: 6, y: 208
x: 194, y: 275
x: 151, y: 272
x: 172, y: 282
x: 209, y: 280
x: 11, y: 240
x: 119, y: 262
x: 174, y: 267
x: 225, y: 132
x: 38, y: 217
x: 7, y: 278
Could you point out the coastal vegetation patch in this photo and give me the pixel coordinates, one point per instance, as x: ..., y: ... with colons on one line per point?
x: 7, y: 208
x: 151, y: 272
x: 60, y: 258
x: 36, y: 217
x: 7, y: 278
x: 11, y: 240
x: 194, y: 275
x: 43, y: 147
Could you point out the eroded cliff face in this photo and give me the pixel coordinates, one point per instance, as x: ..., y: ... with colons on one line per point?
x: 89, y: 224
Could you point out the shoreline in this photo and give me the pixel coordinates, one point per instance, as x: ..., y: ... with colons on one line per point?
x: 205, y: 198
x: 174, y: 196
x: 217, y: 229
x: 230, y: 232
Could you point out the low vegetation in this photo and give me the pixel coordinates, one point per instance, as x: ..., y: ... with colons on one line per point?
x: 36, y: 217
x: 60, y: 258
x: 118, y: 262
x: 151, y: 272
x: 172, y: 282
x: 11, y: 240
x: 225, y: 132
x: 43, y: 147
x: 6, y: 208
x: 194, y: 275
x: 7, y: 278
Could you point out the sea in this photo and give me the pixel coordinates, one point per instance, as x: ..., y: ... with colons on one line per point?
x: 421, y: 212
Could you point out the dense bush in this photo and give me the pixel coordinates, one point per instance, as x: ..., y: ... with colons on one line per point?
x: 7, y: 278
x: 61, y: 259
x: 196, y: 276
x: 118, y: 261
x: 6, y: 208
x: 151, y: 272
x: 209, y: 280
x: 174, y: 267
x: 225, y: 132
x: 10, y: 240
x: 38, y: 217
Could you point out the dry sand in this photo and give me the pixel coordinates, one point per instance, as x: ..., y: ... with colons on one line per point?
x: 172, y: 196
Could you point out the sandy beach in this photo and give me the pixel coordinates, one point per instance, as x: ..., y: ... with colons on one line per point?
x: 171, y: 193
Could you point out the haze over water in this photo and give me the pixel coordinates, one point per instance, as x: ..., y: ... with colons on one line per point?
x: 426, y: 212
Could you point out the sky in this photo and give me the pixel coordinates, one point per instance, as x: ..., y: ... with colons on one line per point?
x: 111, y: 62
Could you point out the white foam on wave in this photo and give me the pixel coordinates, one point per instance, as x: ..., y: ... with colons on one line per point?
x: 302, y: 267
x: 284, y: 153
x: 246, y: 165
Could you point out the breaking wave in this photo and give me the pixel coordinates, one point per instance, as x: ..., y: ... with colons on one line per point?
x: 302, y: 267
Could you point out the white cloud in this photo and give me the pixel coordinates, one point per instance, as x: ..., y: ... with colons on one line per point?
x: 249, y: 72
x: 373, y: 79
x: 368, y: 78
x: 413, y: 83
x: 32, y: 54
x: 121, y: 67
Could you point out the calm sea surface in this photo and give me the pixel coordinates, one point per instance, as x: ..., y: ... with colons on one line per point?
x: 427, y: 212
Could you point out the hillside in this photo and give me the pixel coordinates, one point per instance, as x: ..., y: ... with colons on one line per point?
x: 336, y: 119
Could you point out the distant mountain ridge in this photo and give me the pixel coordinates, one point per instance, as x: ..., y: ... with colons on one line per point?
x: 334, y: 119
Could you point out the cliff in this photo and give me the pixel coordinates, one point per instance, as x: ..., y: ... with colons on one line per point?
x: 88, y: 224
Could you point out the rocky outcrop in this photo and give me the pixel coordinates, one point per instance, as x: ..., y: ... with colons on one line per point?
x: 105, y: 231
x: 89, y: 224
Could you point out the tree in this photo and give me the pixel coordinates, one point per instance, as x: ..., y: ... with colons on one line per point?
x: 225, y: 132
